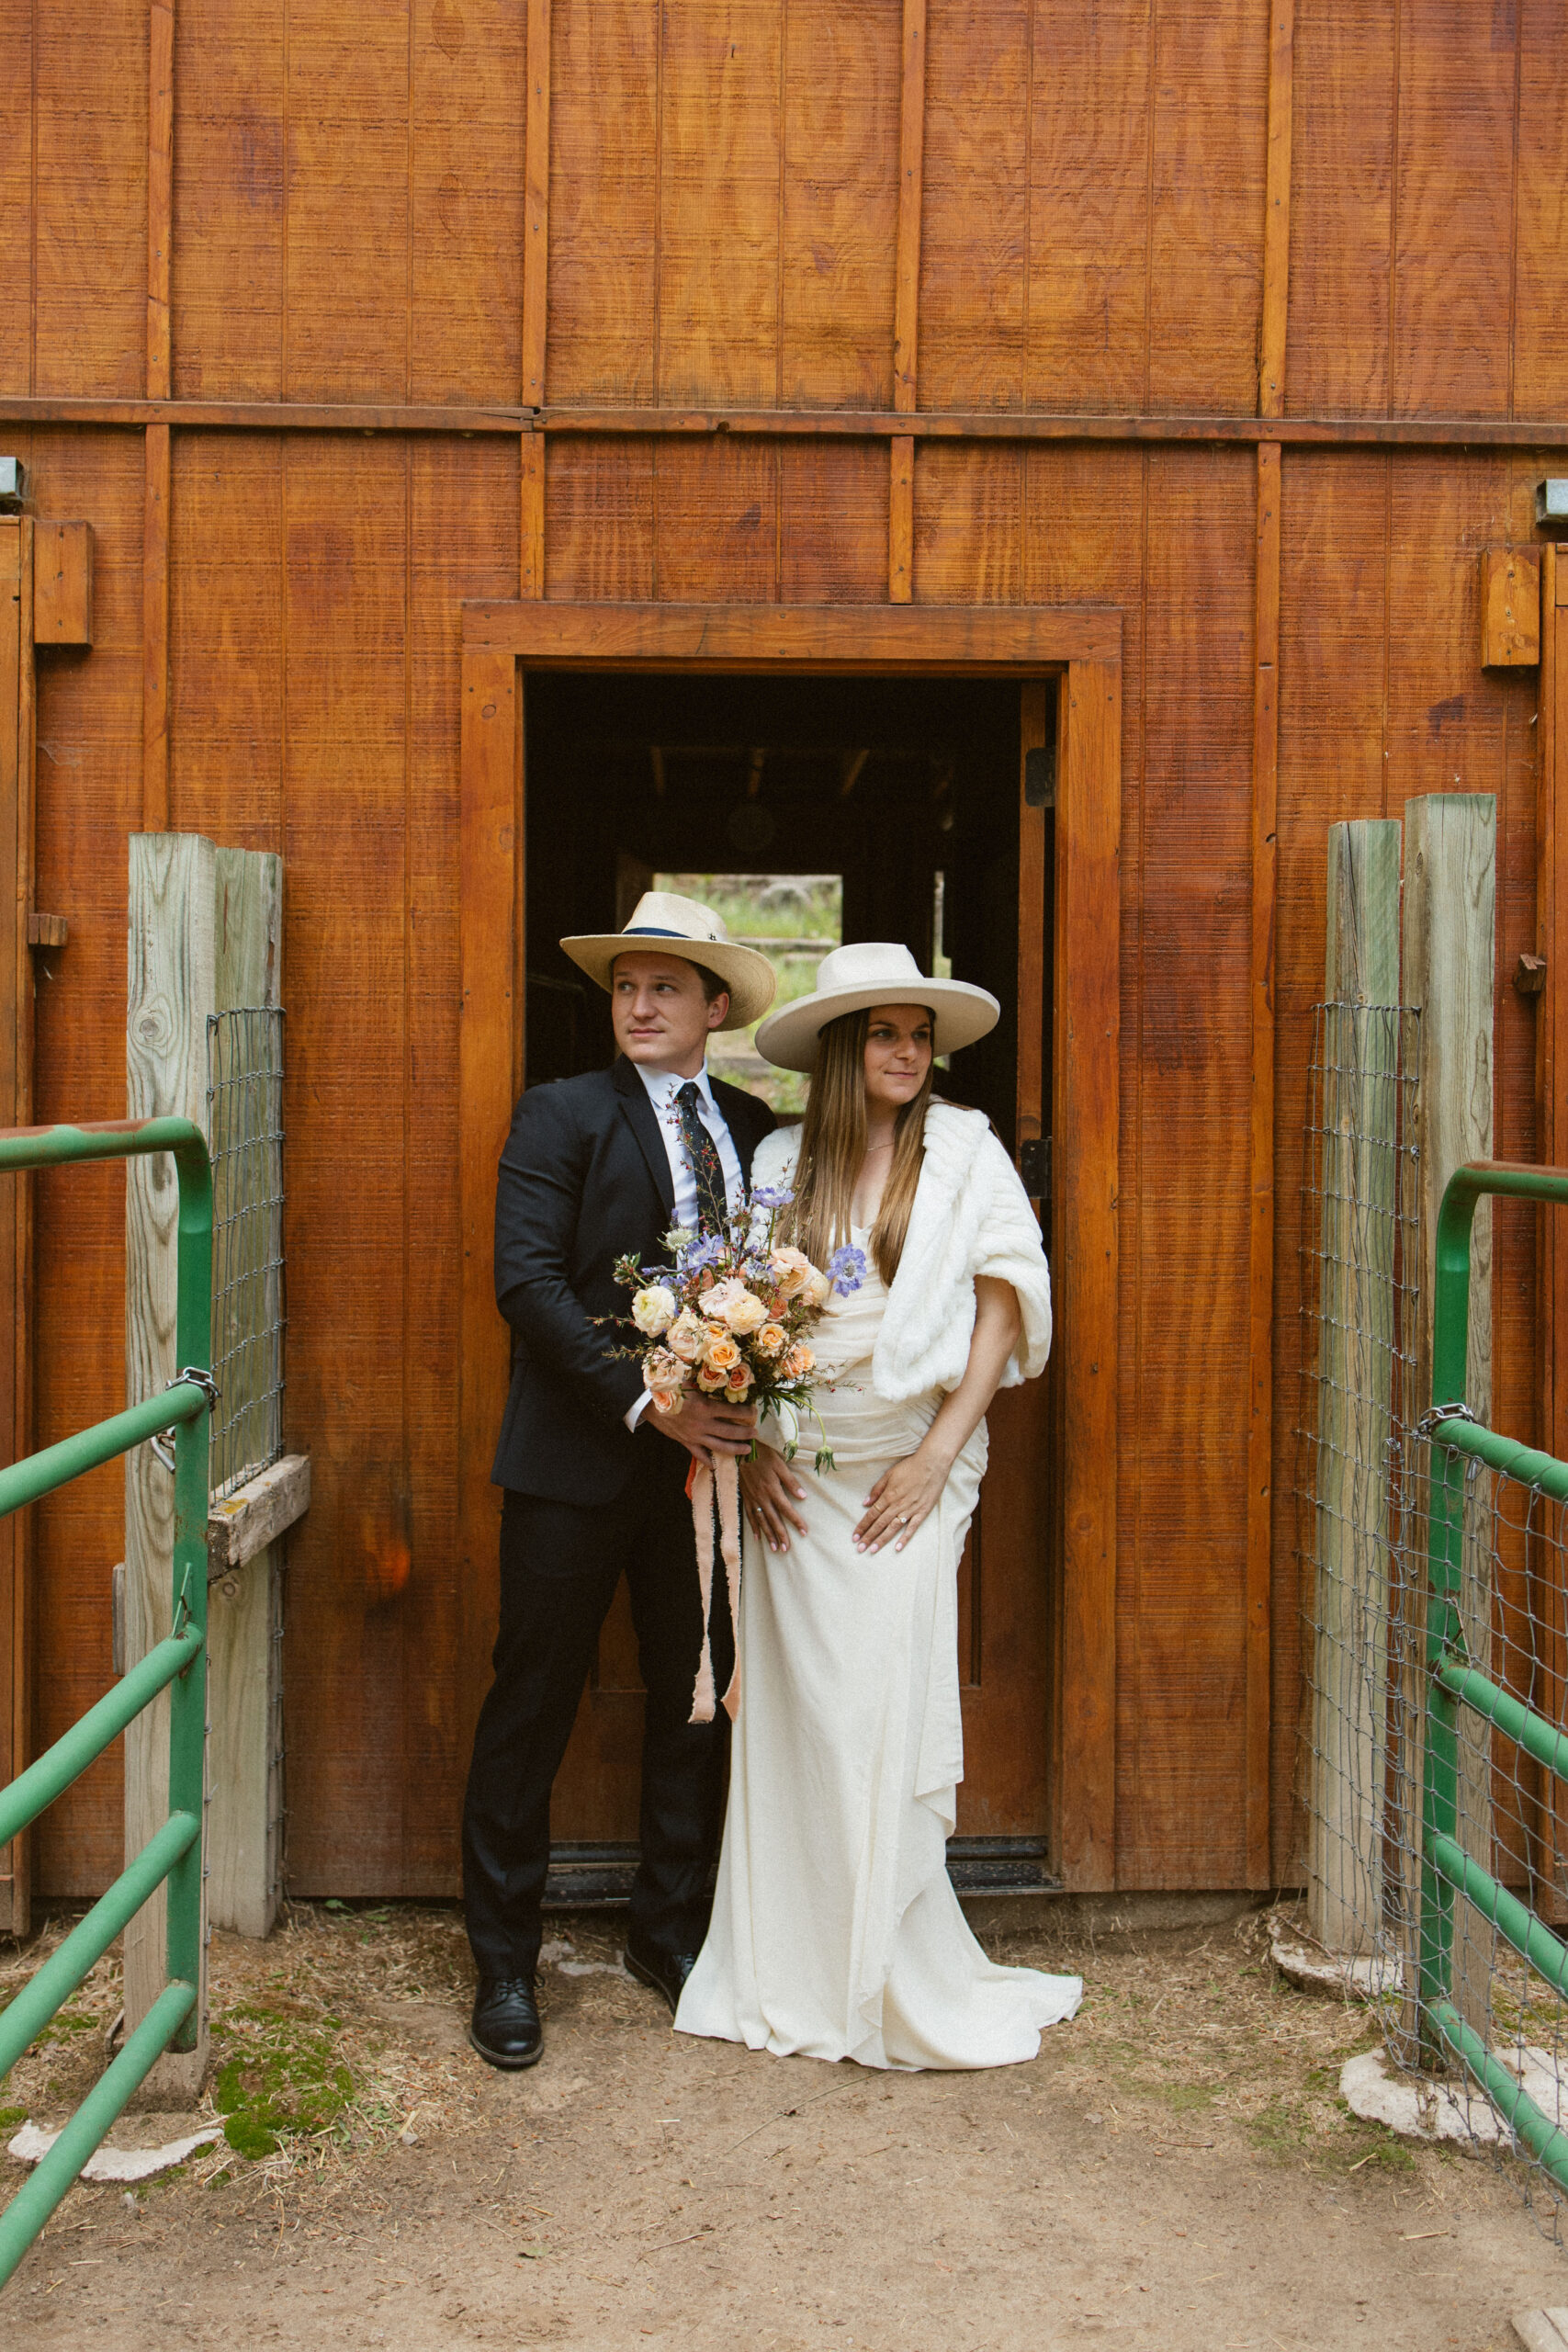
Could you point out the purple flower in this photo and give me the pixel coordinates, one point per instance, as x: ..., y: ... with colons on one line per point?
x: 846, y: 1270
x: 771, y: 1196
x: 698, y: 1254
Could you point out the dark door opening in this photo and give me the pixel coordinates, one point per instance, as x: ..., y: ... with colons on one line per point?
x: 893, y: 804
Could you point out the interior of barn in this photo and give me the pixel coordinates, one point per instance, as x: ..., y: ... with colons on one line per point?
x: 843, y: 808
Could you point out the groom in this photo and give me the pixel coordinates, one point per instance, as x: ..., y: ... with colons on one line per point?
x: 596, y: 1168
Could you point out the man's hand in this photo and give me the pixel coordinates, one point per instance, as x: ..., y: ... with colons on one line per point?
x: 767, y: 1487
x: 706, y: 1426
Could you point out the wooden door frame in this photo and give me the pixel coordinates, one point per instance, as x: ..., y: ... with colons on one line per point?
x: 1082, y: 648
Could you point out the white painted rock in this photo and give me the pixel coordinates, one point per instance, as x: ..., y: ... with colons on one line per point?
x: 1423, y: 2109
x: 114, y: 2164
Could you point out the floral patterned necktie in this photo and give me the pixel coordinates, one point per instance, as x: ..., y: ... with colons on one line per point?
x: 702, y: 1153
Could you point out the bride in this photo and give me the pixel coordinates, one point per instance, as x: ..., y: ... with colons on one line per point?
x: 836, y: 1932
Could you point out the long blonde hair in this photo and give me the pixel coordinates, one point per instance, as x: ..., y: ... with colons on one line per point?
x: 833, y: 1145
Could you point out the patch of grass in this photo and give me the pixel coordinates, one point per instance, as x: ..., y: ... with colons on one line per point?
x: 280, y: 2082
x: 11, y: 2116
x: 1183, y: 2096
x: 64, y: 2023
x: 1282, y: 2130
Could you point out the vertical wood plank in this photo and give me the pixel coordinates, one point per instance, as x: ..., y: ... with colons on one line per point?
x: 1085, y: 1259
x: 1260, y: 1268
x: 906, y: 300
x: 536, y: 291
x: 170, y: 984
x: 489, y: 918
x: 1029, y: 1112
x: 531, y: 542
x: 155, y: 512
x: 245, y: 1610
x: 1355, y: 1387
x: 15, y: 1201
x: 1277, y: 213
x: 901, y: 520
x: 1550, y: 1603
x: 155, y: 634
x: 1451, y: 866
x: 160, y: 192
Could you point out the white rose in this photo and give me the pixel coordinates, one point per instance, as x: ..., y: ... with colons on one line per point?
x: 818, y: 1290
x: 653, y: 1309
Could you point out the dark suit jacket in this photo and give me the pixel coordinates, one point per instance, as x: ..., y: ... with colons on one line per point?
x: 585, y: 1179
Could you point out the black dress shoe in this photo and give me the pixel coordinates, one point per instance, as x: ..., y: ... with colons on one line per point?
x: 505, y: 2028
x: 666, y: 1970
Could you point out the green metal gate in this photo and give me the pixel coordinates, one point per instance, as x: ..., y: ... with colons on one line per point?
x: 1457, y: 1441
x: 179, y: 1664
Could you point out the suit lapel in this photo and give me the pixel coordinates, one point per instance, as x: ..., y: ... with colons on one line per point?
x: 640, y: 1117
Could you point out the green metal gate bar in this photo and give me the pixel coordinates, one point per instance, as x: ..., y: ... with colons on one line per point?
x: 179, y: 1664
x: 1446, y: 1869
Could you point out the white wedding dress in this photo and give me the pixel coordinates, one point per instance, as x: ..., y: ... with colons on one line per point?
x: 836, y: 1932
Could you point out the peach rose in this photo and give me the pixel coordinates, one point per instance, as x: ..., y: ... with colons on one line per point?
x: 771, y: 1339
x: 745, y: 1310
x: 818, y: 1290
x: 739, y: 1381
x: 792, y: 1270
x: 664, y: 1376
x: 709, y: 1381
x: 798, y: 1362
x: 687, y: 1337
x: 721, y: 1355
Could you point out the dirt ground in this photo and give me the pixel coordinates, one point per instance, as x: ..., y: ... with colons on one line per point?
x: 1175, y: 2167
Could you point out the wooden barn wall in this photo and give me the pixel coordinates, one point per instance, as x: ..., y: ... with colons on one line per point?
x: 349, y: 224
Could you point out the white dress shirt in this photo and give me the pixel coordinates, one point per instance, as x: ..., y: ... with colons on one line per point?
x: 663, y: 1086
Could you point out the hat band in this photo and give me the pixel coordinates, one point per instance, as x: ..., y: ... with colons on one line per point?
x: 657, y: 931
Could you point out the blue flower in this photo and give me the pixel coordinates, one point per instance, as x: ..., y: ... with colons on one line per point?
x: 846, y: 1270
x: 699, y: 1254
x: 771, y: 1196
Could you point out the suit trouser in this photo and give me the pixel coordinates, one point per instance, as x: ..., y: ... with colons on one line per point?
x: 559, y: 1565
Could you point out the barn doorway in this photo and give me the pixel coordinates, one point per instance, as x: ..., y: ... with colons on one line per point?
x: 811, y: 809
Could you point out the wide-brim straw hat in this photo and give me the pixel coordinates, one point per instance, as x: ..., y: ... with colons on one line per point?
x: 664, y: 924
x: 856, y: 979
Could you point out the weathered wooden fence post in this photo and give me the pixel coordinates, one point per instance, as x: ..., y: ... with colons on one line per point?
x: 205, y: 936
x: 1450, y: 872
x: 1360, y: 1054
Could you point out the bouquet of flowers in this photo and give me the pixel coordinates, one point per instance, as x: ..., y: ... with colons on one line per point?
x: 731, y: 1317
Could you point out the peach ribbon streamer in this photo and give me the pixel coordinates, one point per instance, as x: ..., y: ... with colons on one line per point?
x: 701, y: 1483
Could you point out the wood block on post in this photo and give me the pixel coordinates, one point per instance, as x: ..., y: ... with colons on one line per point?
x: 63, y: 583
x: 1511, y: 607
x: 205, y: 935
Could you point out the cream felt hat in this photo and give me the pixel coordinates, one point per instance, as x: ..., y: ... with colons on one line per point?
x: 872, y: 972
x: 663, y: 924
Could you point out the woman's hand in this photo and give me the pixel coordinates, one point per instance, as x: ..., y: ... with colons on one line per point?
x: 766, y: 1488
x: 902, y: 1498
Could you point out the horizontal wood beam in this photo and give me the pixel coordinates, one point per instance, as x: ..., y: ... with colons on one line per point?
x: 257, y: 1513
x: 851, y: 425
x: 1011, y: 639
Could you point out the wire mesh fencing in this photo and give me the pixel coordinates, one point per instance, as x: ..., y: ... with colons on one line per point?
x: 244, y: 1106
x: 1394, y: 1927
